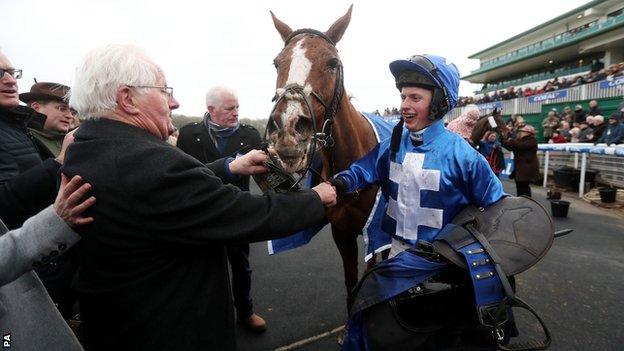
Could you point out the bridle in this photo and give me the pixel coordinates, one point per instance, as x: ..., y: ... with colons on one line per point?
x: 324, y: 138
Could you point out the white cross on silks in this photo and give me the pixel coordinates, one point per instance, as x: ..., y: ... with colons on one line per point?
x: 406, y: 211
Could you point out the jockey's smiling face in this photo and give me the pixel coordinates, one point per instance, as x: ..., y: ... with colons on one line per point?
x: 415, y: 103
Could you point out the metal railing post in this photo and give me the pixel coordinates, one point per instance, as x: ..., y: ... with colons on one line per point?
x: 546, y: 157
x: 583, y: 169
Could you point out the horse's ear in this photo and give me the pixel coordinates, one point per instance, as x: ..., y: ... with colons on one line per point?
x: 283, y: 29
x: 337, y: 29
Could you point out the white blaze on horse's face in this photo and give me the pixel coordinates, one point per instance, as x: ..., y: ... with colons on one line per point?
x: 298, y: 73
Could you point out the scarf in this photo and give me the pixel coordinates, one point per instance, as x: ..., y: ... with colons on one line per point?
x: 218, y: 133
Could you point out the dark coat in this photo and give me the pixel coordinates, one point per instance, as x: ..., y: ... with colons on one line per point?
x: 17, y: 149
x: 195, y: 141
x: 154, y: 273
x: 526, y: 164
x: 27, y: 184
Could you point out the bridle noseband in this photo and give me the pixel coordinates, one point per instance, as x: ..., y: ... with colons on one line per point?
x: 324, y: 138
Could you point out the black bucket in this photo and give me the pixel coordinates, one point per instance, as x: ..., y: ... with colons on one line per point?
x: 559, y: 208
x: 607, y: 194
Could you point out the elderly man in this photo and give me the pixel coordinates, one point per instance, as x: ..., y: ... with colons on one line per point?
x: 154, y: 273
x: 220, y: 135
x: 550, y: 124
x: 49, y: 100
x: 30, y: 320
x: 27, y: 184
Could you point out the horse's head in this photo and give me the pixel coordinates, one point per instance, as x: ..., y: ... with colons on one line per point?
x: 309, y: 90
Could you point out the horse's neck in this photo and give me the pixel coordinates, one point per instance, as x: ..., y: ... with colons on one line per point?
x: 353, y: 136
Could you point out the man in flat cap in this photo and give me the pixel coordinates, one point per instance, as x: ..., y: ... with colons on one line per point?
x: 49, y: 100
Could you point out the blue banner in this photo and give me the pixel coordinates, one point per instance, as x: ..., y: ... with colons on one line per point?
x: 606, y: 84
x: 490, y: 105
x: 548, y: 96
x: 509, y: 166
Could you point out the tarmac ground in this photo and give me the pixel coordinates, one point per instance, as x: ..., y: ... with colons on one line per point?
x: 578, y: 288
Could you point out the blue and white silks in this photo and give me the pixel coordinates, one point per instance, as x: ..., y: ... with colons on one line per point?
x: 375, y: 240
x: 428, y: 185
x: 426, y: 188
x: 388, y: 279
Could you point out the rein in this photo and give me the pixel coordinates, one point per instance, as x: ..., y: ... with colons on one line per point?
x: 324, y: 138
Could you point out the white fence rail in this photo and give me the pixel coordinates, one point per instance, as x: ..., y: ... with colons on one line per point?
x: 608, y: 161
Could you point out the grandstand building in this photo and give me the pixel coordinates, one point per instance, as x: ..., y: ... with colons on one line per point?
x: 586, y: 42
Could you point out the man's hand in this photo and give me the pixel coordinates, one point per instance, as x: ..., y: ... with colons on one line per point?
x: 250, y: 163
x: 327, y: 193
x: 69, y: 138
x: 69, y: 205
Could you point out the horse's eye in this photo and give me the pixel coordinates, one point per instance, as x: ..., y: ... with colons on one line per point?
x: 333, y: 63
x: 275, y: 64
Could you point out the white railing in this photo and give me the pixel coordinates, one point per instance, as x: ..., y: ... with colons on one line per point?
x: 609, y: 161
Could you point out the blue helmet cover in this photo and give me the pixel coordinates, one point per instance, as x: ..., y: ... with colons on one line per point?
x: 446, y: 77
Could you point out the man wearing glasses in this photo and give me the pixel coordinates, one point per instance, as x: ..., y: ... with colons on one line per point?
x: 28, y: 184
x: 49, y: 100
x: 153, y: 270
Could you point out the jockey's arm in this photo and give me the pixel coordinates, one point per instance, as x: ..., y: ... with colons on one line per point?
x: 362, y: 173
x: 484, y: 187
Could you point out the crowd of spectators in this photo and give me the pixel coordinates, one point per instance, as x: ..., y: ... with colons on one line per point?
x: 580, y: 126
x: 388, y: 112
x: 612, y: 72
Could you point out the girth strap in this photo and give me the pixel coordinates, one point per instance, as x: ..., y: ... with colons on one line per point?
x: 494, y: 295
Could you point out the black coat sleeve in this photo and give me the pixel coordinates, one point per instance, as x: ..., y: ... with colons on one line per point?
x: 177, y: 200
x: 25, y: 195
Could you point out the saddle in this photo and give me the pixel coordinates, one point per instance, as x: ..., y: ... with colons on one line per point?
x: 486, y: 248
x: 518, y: 229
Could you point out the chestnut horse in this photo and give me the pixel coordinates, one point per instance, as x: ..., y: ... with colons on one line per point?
x: 483, y: 125
x: 312, y: 115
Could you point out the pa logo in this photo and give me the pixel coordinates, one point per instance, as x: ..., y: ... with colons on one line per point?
x: 6, y: 341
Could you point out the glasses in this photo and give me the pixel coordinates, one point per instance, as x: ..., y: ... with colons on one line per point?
x: 15, y: 73
x: 165, y: 89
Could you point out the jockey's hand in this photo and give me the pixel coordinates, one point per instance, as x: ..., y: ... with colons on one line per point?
x: 69, y: 204
x: 340, y: 184
x: 250, y: 163
x: 327, y: 193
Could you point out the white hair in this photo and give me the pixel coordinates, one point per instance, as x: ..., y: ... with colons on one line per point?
x: 103, y: 71
x: 214, y: 95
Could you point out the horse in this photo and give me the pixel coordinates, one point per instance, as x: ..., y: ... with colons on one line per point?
x: 483, y: 125
x: 313, y: 116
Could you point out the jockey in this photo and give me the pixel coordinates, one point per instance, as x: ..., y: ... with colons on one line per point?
x: 427, y: 173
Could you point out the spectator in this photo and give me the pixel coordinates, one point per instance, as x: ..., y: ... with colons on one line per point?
x: 526, y: 165
x: 28, y: 315
x: 49, y: 100
x: 594, y: 110
x: 574, y: 132
x: 615, y: 131
x: 567, y: 115
x: 579, y: 114
x: 491, y: 149
x: 564, y: 130
x: 599, y: 128
x: 162, y: 215
x: 464, y: 124
x: 221, y: 135
x: 28, y: 179
x: 550, y: 124
x: 585, y: 132
x: 557, y: 138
